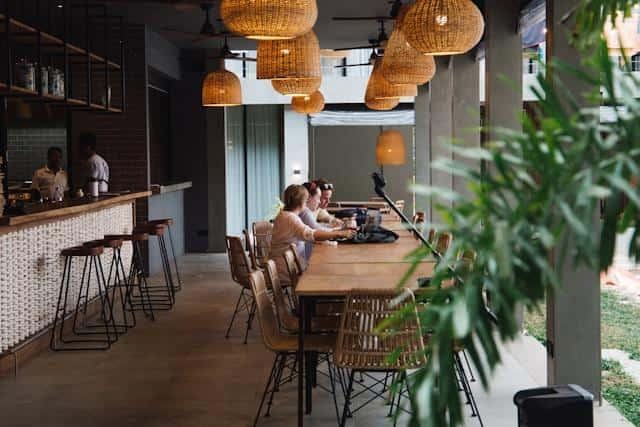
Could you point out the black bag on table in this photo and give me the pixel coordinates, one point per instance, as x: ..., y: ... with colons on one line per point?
x: 374, y: 234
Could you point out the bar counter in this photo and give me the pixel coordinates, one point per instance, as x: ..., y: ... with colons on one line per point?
x: 32, y: 267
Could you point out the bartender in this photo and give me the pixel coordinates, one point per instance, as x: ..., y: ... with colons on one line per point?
x: 51, y: 181
x: 97, y: 169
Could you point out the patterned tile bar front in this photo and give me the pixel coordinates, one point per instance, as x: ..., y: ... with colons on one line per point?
x: 31, y: 268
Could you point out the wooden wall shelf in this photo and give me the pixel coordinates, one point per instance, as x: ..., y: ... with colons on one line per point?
x: 22, y: 34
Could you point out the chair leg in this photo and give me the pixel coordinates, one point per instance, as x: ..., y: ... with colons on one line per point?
x: 347, y: 399
x: 276, y: 383
x: 333, y: 388
x: 266, y: 389
x: 466, y: 359
x: 175, y: 261
x: 235, y: 313
x: 252, y: 313
x: 475, y: 412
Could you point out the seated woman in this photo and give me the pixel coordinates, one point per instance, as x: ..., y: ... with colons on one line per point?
x: 308, y: 214
x: 321, y: 214
x: 288, y: 228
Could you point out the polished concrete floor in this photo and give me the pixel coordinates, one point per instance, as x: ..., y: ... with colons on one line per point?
x: 180, y: 371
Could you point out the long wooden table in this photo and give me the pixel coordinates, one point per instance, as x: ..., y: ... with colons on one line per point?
x: 334, y: 271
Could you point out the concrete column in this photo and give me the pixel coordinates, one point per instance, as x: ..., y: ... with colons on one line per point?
x: 421, y: 105
x: 441, y: 126
x: 503, y: 73
x: 503, y: 61
x: 296, y: 147
x: 573, y: 313
x: 466, y: 110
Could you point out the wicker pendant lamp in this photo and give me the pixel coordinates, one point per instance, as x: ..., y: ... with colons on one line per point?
x: 379, y: 88
x: 309, y: 104
x: 402, y: 64
x: 390, y: 148
x: 297, y: 58
x: 221, y: 88
x: 443, y: 27
x: 297, y: 87
x: 269, y: 19
x: 382, y: 104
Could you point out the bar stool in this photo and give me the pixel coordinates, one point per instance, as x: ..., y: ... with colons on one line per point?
x: 168, y: 222
x: 137, y: 277
x: 116, y: 269
x: 99, y: 335
x: 168, y: 289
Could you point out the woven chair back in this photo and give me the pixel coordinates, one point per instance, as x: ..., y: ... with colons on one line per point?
x: 296, y: 257
x: 286, y: 319
x: 266, y: 317
x: 249, y: 243
x: 361, y: 345
x: 262, y: 233
x: 238, y: 261
x: 292, y: 267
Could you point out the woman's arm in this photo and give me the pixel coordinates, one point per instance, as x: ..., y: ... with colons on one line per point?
x: 306, y: 233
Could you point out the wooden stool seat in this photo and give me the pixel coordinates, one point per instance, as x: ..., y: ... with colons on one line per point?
x: 106, y: 243
x: 151, y: 229
x: 135, y: 236
x: 78, y: 251
x: 164, y: 221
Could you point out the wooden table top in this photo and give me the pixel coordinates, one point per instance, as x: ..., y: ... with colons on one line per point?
x: 336, y: 270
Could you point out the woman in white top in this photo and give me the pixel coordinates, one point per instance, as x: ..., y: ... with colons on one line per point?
x: 288, y: 228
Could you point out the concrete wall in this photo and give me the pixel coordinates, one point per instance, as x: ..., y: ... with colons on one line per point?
x: 296, y: 147
x: 163, y: 55
x: 168, y: 205
x: 345, y: 155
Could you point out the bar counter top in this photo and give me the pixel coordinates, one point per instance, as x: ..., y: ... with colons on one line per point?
x: 50, y: 212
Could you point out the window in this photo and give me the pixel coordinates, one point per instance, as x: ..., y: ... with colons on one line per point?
x: 635, y: 62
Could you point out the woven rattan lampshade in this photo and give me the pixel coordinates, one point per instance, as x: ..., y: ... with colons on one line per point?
x: 402, y: 64
x: 380, y: 88
x: 221, y: 88
x: 382, y: 104
x: 297, y: 58
x: 309, y: 104
x: 297, y: 87
x: 269, y: 19
x: 390, y: 148
x: 443, y: 27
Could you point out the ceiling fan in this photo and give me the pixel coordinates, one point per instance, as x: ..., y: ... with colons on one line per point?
x: 226, y: 53
x: 393, y: 13
x: 207, y: 31
x: 375, y: 54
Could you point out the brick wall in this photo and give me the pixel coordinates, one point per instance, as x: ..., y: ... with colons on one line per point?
x: 122, y: 138
x: 28, y: 150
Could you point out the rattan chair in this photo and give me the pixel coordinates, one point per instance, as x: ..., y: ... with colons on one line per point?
x: 431, y: 237
x: 288, y: 321
x: 240, y: 272
x: 262, y: 233
x: 293, y: 268
x: 297, y: 258
x: 442, y: 242
x: 361, y: 347
x: 249, y: 245
x: 283, y: 345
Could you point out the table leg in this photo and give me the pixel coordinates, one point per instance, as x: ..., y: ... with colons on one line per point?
x: 301, y: 370
x: 309, y: 365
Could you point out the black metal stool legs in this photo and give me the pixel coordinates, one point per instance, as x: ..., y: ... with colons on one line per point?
x: 175, y: 260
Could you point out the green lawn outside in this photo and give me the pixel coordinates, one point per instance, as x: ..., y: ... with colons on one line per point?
x: 620, y: 330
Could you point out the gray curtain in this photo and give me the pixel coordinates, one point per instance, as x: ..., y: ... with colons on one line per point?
x: 236, y: 185
x: 264, y: 151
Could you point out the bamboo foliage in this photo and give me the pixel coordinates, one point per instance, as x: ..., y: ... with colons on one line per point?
x: 536, y: 196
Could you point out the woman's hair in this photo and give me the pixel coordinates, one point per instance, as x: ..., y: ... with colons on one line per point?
x: 312, y: 188
x: 294, y: 197
x: 323, y: 184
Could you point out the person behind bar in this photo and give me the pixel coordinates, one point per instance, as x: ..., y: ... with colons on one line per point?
x: 97, y: 168
x: 51, y: 181
x: 326, y: 192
